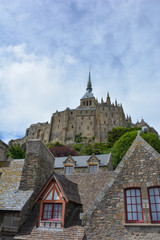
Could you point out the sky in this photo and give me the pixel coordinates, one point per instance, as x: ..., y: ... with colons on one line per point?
x: 47, y: 47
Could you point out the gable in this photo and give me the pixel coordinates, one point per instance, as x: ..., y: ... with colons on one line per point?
x: 52, y: 192
x: 69, y: 161
x: 93, y: 159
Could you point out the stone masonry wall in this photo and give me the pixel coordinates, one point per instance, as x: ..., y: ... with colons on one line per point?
x: 38, y: 166
x: 106, y: 218
x: 3, y: 151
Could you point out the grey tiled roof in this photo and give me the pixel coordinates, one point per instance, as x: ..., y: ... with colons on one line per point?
x: 10, y: 197
x: 81, y: 161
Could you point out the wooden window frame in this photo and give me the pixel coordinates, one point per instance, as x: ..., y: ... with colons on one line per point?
x: 133, y: 204
x: 52, y: 211
x: 156, y: 211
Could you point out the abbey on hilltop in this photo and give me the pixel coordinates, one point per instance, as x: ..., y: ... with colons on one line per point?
x: 91, y: 121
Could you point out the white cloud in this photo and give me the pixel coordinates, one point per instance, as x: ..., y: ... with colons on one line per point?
x: 47, y: 47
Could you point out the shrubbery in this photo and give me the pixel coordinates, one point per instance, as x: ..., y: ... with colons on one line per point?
x: 16, y: 152
x: 121, y: 146
x: 116, y: 133
x: 152, y: 139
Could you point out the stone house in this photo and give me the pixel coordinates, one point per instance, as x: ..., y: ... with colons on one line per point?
x: 119, y: 204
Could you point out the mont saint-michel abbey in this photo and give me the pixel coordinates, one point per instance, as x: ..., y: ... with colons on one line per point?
x: 91, y: 119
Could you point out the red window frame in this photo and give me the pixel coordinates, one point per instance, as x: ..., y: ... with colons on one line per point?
x: 133, y: 205
x: 52, y: 212
x: 154, y: 203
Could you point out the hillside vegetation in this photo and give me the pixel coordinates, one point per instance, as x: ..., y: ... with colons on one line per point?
x: 118, y: 142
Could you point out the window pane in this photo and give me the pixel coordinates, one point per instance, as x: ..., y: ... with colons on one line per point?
x: 134, y: 209
x: 153, y: 207
x: 158, y: 216
x: 134, y: 216
x: 49, y: 215
x: 129, y: 216
x: 50, y: 207
x: 158, y: 207
x: 156, y: 192
x: 45, y: 215
x: 128, y: 193
x: 139, y: 216
x: 137, y: 192
x: 152, y: 199
x: 129, y: 208
x: 128, y: 200
x: 157, y: 199
x: 151, y: 191
x: 139, y: 208
x: 138, y: 200
x: 154, y: 216
x: 133, y: 192
x: 133, y: 200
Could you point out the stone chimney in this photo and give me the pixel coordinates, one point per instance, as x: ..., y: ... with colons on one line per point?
x: 38, y: 166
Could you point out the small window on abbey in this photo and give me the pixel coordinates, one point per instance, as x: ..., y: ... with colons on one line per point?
x: 71, y: 113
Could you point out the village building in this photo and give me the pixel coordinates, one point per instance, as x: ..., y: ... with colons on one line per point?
x: 38, y: 203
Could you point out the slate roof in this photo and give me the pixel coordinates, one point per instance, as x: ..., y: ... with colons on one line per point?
x: 81, y: 161
x: 10, y: 197
x: 71, y: 233
x: 70, y: 189
x: 88, y: 95
x: 89, y: 185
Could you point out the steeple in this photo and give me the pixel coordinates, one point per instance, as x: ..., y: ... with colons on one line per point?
x: 108, y: 99
x: 89, y: 84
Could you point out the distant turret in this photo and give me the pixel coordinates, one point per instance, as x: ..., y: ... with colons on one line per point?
x: 108, y: 99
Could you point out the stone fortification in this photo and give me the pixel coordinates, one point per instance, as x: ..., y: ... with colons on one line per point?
x: 91, y: 120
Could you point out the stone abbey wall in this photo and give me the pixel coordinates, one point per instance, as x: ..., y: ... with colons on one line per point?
x: 91, y: 119
x: 93, y: 123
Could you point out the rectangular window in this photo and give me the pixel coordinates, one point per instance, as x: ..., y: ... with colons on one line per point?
x: 133, y: 204
x: 93, y: 168
x: 52, y: 211
x: 69, y: 170
x: 154, y: 203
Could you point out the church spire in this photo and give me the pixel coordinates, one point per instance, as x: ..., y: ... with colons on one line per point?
x: 108, y: 99
x: 89, y: 84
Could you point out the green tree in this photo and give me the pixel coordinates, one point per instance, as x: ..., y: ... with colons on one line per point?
x: 152, y: 139
x: 121, y: 146
x: 16, y: 152
x: 116, y: 133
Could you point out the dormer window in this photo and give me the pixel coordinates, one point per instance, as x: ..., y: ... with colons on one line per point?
x: 52, y: 211
x: 68, y: 169
x: 93, y: 164
x: 57, y: 201
x: 93, y: 168
x: 69, y: 165
x: 52, y: 205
